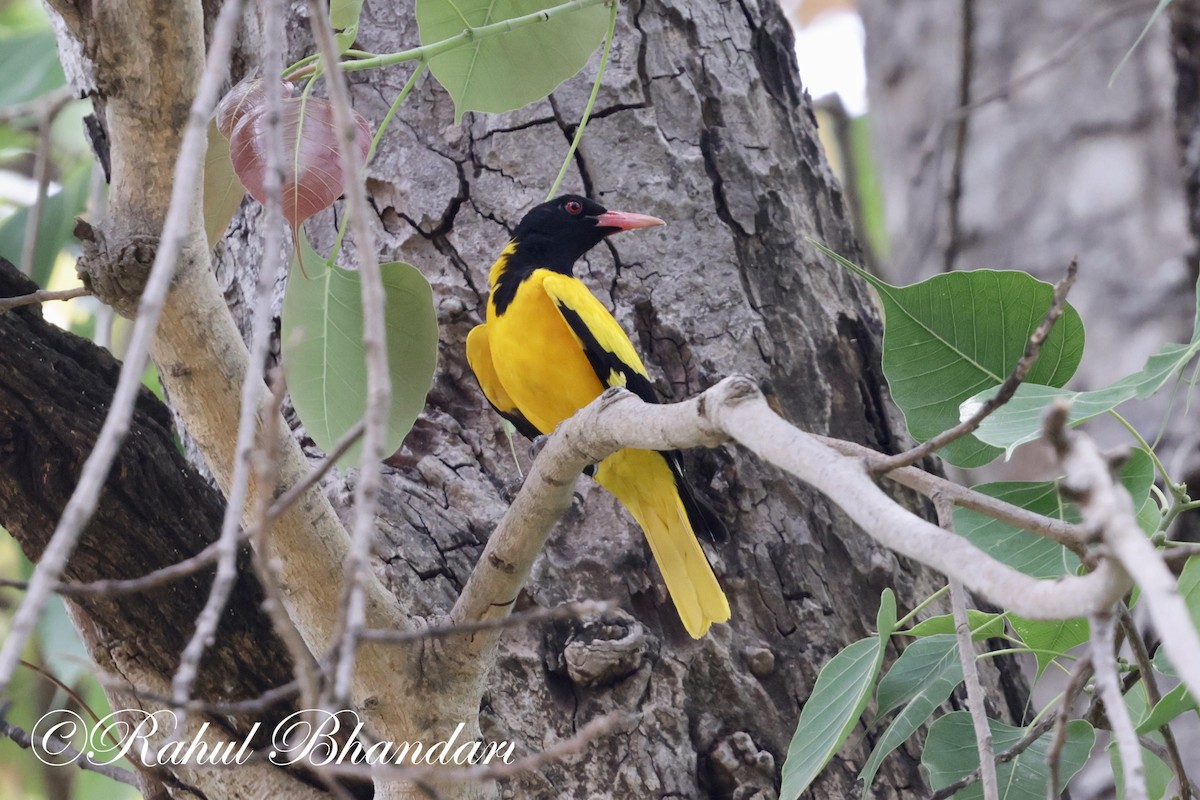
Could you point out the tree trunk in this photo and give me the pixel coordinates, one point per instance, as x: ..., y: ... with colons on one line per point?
x: 701, y: 122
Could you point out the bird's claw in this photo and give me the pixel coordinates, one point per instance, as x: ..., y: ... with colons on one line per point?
x: 536, y: 446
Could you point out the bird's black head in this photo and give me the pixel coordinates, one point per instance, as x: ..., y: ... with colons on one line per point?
x: 555, y: 234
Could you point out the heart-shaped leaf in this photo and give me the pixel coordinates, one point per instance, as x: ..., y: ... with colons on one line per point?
x: 312, y: 169
x: 950, y: 753
x: 312, y: 165
x: 950, y: 337
x: 323, y: 355
x: 508, y: 69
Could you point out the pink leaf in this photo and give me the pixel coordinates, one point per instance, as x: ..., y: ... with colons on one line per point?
x: 248, y: 96
x: 312, y: 177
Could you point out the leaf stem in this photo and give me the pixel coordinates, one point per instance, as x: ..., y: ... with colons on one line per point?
x: 928, y: 601
x: 429, y: 51
x: 587, y: 111
x: 1175, y: 489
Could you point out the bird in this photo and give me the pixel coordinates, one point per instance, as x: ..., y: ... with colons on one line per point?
x: 549, y: 347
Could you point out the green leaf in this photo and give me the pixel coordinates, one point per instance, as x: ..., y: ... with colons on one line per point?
x: 29, y: 64
x: 921, y: 662
x: 1149, y: 516
x: 323, y: 355
x: 223, y: 192
x: 1174, y: 703
x: 837, y: 701
x: 509, y: 69
x: 1049, y: 639
x: 1020, y: 420
x: 955, y: 335
x: 1189, y: 587
x: 920, y: 680
x: 951, y: 753
x: 983, y: 625
x: 1137, y: 475
x: 343, y: 17
x: 1032, y: 554
x: 57, y: 223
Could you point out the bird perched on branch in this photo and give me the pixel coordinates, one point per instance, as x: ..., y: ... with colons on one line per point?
x: 549, y: 348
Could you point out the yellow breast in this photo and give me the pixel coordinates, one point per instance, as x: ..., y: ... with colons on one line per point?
x: 538, y: 359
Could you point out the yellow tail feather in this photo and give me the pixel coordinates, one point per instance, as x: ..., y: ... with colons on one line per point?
x: 643, y: 482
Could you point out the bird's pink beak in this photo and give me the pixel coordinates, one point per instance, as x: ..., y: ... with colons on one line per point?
x: 624, y: 221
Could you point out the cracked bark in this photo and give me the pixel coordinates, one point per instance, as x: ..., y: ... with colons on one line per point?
x: 699, y: 122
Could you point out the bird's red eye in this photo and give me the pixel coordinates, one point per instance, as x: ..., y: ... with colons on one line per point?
x: 573, y: 207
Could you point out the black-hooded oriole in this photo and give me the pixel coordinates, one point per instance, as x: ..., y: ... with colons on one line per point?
x: 549, y: 347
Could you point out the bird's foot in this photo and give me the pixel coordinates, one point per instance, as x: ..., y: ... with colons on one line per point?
x: 536, y: 446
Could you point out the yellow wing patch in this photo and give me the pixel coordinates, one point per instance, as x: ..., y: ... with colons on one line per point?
x: 571, y: 294
x: 479, y: 356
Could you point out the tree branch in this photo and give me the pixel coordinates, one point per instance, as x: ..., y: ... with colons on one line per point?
x: 1108, y: 687
x: 966, y: 653
x: 1107, y: 509
x: 41, y: 296
x: 735, y: 409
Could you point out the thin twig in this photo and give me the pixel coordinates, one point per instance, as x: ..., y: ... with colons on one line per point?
x: 266, y: 460
x: 1067, y: 534
x: 69, y: 755
x: 584, y: 608
x: 1032, y: 735
x: 289, y: 498
x: 966, y: 71
x: 41, y: 296
x: 1138, y: 646
x: 1079, y: 678
x: 966, y: 654
x: 1033, y: 349
x: 82, y: 503
x: 253, y: 705
x: 1108, y: 688
x: 379, y: 388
